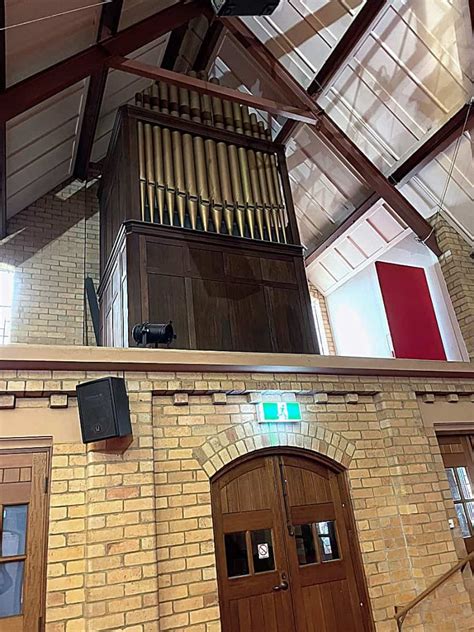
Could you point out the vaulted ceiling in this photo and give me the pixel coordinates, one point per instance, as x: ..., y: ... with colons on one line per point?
x: 403, y: 74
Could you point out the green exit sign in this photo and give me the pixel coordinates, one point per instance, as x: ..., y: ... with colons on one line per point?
x: 279, y: 411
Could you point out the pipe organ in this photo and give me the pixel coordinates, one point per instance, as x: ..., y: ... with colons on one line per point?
x: 198, y: 227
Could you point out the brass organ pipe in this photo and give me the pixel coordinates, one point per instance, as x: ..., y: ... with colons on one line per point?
x: 223, y: 160
x: 279, y: 197
x: 270, y: 184
x: 254, y: 180
x: 201, y: 171
x: 262, y: 176
x: 158, y: 155
x: 188, y: 155
x: 244, y: 170
x: 141, y: 165
x: 212, y: 165
x: 178, y: 158
x: 167, y: 153
x: 149, y: 162
x: 235, y: 170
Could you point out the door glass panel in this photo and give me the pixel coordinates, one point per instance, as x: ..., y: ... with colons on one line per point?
x: 453, y: 485
x: 465, y: 482
x: 305, y: 547
x: 262, y: 550
x: 470, y: 512
x: 327, y: 539
x: 11, y: 588
x: 14, y: 530
x: 462, y: 521
x: 236, y: 554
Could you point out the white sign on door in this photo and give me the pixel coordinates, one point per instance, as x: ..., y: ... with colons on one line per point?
x: 263, y: 551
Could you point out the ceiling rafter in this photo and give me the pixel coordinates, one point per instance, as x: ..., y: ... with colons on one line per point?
x: 210, y: 45
x: 108, y: 27
x: 203, y: 87
x: 3, y: 128
x: 339, y: 54
x: 33, y: 90
x: 337, y: 140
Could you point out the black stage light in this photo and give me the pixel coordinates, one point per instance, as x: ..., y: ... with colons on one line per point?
x: 244, y: 7
x: 150, y: 333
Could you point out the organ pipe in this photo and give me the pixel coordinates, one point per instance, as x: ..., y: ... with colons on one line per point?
x: 189, y: 179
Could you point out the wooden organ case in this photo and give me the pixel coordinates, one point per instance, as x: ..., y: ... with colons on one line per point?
x: 197, y: 226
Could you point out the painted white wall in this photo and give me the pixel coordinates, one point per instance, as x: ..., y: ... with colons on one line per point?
x: 357, y: 313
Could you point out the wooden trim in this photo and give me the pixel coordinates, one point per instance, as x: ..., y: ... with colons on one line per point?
x: 434, y: 145
x: 33, y: 90
x: 200, y: 129
x: 3, y: 127
x: 203, y: 87
x: 26, y: 444
x: 74, y: 358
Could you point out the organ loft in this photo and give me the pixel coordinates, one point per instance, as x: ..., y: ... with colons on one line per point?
x: 198, y: 227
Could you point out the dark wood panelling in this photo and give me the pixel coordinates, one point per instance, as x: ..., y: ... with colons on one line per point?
x: 213, y: 327
x: 249, y: 320
x: 221, y: 293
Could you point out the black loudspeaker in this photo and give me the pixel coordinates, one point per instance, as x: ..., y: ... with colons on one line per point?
x: 103, y: 409
x: 244, y: 7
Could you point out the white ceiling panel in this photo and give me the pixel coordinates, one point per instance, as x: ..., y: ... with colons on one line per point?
x: 121, y: 89
x: 37, y: 45
x: 136, y: 10
x: 41, y: 146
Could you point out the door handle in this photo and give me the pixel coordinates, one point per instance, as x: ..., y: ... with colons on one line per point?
x: 283, y: 585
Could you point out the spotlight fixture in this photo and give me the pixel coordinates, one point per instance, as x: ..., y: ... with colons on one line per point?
x: 244, y: 7
x: 149, y: 333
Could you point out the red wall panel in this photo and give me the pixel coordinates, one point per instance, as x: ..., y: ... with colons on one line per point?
x: 410, y: 313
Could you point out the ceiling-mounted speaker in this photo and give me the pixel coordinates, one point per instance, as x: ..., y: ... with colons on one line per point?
x: 103, y: 409
x: 244, y: 7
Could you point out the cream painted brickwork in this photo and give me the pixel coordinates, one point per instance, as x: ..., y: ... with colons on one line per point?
x: 458, y: 271
x: 52, y: 244
x: 131, y: 541
x: 317, y: 296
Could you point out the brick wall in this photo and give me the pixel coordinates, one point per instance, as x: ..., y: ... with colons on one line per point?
x: 317, y: 296
x: 458, y: 272
x: 131, y: 543
x: 51, y: 244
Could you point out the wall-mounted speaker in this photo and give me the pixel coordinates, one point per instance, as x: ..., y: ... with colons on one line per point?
x: 103, y: 409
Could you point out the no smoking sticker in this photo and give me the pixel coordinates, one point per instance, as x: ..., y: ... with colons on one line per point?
x: 263, y: 551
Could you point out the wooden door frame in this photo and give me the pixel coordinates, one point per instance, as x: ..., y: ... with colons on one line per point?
x: 343, y: 481
x: 18, y: 445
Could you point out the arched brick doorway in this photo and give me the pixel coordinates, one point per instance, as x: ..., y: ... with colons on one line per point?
x: 286, y: 550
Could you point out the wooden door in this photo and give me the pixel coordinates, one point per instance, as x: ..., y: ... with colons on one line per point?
x: 458, y: 459
x: 23, y: 510
x: 285, y: 552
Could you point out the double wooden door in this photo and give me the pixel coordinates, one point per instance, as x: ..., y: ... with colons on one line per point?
x: 286, y: 552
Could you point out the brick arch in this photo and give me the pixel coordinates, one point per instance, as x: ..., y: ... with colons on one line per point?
x: 244, y: 438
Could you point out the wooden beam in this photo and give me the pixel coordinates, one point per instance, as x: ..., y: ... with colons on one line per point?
x: 203, y: 87
x: 210, y: 45
x: 3, y: 127
x: 368, y: 172
x: 341, y: 144
x: 109, y: 19
x: 437, y: 142
x: 173, y: 47
x: 339, y: 54
x: 45, y: 84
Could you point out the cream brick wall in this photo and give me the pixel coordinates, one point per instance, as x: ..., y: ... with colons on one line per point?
x: 52, y: 243
x: 131, y: 542
x: 458, y: 271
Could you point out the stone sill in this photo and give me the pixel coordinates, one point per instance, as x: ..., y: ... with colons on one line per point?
x: 72, y: 358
